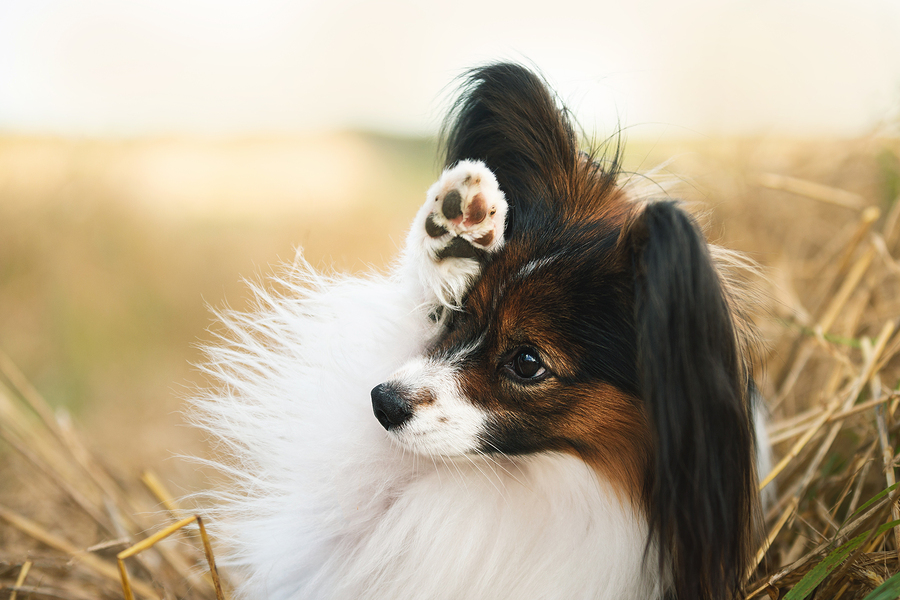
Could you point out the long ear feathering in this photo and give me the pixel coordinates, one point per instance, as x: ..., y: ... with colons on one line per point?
x: 740, y: 276
x: 506, y: 117
x: 694, y: 383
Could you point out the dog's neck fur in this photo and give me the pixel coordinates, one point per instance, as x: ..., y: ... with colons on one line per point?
x: 494, y: 529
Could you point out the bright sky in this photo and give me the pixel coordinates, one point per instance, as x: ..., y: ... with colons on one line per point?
x: 127, y: 67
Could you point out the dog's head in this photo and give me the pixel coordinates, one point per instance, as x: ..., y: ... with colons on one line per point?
x: 602, y: 329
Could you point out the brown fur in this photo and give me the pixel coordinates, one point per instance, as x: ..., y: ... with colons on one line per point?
x: 567, y: 412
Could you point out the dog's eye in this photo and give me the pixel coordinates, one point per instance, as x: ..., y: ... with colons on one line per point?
x: 526, y: 364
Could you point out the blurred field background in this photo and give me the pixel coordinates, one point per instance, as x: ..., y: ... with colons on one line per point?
x: 112, y: 252
x: 153, y: 155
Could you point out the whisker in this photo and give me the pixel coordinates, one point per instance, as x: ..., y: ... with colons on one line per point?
x: 485, y: 475
x: 504, y: 455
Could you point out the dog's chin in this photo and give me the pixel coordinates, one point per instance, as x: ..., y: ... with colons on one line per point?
x: 437, y: 439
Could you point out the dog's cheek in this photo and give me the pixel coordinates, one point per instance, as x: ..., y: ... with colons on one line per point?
x: 508, y: 434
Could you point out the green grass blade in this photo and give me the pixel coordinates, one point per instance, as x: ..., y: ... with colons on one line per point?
x: 889, y: 590
x: 875, y: 499
x: 818, y: 573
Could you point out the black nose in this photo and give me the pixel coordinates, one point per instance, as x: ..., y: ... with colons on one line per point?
x: 391, y: 408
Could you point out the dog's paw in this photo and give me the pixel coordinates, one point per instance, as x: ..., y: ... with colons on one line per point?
x: 464, y: 213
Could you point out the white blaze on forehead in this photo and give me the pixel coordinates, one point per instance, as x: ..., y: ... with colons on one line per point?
x: 451, y: 425
x: 534, y: 265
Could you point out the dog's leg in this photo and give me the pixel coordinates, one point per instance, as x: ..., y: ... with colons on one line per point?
x: 455, y: 232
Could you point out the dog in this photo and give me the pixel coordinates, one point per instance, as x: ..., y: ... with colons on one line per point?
x: 548, y: 397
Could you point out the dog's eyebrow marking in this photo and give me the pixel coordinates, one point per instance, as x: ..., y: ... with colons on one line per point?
x: 534, y: 265
x: 529, y: 268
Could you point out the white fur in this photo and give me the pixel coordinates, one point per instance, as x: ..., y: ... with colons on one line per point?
x: 450, y: 425
x: 323, y: 503
x: 533, y: 265
x: 447, y: 281
x: 469, y: 177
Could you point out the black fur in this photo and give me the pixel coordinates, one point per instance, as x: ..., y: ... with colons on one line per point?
x: 507, y: 118
x: 638, y: 301
x: 691, y: 380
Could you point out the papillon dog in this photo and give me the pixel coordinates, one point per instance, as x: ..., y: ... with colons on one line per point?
x: 548, y: 397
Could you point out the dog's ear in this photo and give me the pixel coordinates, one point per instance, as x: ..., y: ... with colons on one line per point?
x: 691, y: 379
x: 507, y: 117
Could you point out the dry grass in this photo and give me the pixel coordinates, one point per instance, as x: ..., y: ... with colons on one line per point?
x: 66, y: 476
x: 832, y: 528
x: 824, y: 221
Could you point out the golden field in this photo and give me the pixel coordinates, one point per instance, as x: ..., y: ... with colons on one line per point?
x: 111, y: 251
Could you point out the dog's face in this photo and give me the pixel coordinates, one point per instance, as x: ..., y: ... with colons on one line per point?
x: 540, y: 357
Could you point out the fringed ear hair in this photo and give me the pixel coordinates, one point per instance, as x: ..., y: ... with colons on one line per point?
x: 700, y: 491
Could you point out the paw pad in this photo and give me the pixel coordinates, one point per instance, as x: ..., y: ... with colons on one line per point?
x: 468, y: 212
